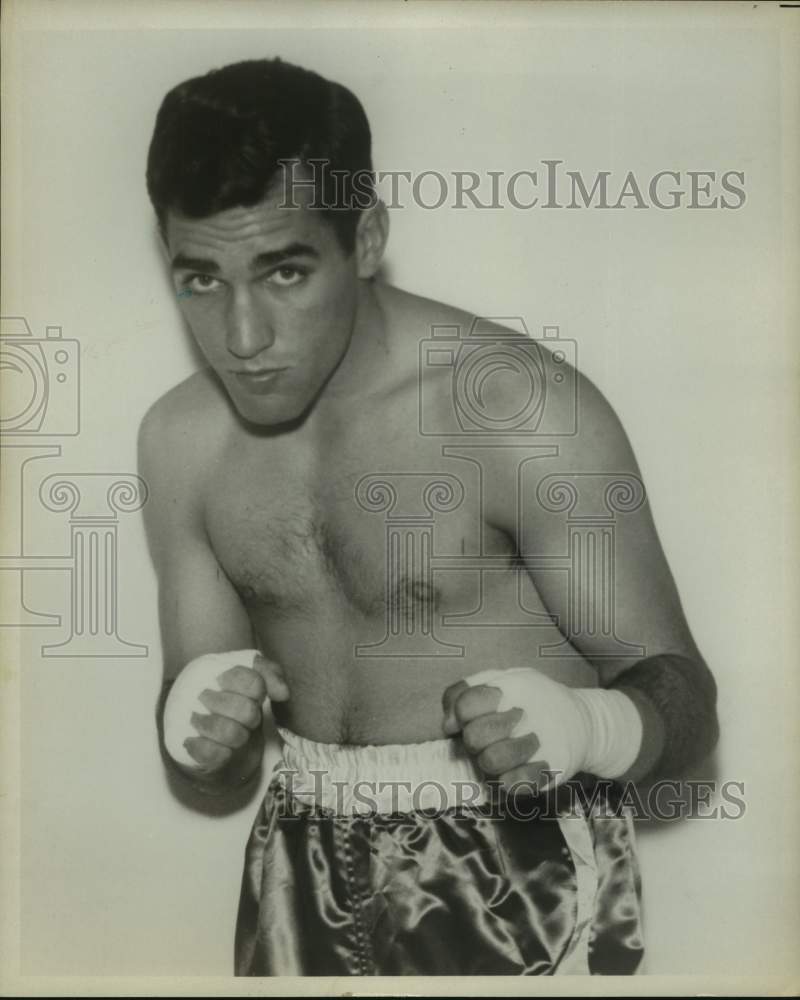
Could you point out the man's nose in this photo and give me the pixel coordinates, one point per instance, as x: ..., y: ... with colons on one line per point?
x: 249, y: 325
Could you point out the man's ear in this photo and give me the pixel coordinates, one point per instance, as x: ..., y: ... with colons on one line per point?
x: 372, y: 233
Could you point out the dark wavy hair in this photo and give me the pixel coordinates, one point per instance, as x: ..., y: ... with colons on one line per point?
x: 219, y: 139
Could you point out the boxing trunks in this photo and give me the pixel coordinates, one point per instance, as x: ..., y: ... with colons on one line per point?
x: 402, y: 860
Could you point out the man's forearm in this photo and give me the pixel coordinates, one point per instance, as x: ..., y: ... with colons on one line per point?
x: 676, y: 697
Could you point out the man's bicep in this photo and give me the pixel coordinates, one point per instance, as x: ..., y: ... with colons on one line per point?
x: 611, y: 589
x: 199, y: 609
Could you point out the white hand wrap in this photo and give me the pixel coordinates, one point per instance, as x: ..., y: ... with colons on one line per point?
x: 579, y: 729
x: 184, y: 698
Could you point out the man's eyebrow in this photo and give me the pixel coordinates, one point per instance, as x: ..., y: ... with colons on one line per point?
x: 181, y: 262
x: 272, y: 257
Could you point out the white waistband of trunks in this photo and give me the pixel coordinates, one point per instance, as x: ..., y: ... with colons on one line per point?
x: 390, y: 778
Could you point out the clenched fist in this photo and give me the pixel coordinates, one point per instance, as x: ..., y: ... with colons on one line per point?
x: 214, y: 708
x: 524, y: 728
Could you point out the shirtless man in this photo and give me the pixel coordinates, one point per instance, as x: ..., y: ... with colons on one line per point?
x: 276, y: 475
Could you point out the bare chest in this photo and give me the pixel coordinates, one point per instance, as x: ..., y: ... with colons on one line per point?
x: 359, y: 527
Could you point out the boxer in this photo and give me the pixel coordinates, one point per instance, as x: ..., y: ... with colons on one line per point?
x: 419, y: 820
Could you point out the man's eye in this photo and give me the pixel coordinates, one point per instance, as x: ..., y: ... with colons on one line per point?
x: 199, y: 284
x: 286, y: 276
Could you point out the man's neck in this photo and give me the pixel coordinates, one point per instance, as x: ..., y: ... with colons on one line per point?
x: 364, y: 365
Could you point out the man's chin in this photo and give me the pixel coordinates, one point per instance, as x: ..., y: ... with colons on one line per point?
x: 269, y: 411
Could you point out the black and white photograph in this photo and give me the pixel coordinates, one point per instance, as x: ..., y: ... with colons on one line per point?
x: 400, y: 502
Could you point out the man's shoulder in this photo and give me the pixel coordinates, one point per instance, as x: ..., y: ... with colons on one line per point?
x: 187, y: 421
x: 494, y: 375
x: 412, y: 312
x: 187, y: 406
x: 428, y: 334
x: 442, y: 326
x: 494, y: 367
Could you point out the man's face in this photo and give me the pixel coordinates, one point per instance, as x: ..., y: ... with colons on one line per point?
x: 270, y: 296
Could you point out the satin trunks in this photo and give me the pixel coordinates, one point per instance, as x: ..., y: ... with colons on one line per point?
x: 402, y: 860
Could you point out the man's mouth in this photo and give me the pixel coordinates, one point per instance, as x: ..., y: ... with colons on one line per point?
x: 258, y: 380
